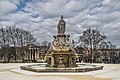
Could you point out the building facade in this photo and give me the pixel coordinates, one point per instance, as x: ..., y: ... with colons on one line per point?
x: 28, y: 53
x: 99, y: 56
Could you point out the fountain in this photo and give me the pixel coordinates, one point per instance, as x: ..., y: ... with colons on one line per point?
x: 61, y: 56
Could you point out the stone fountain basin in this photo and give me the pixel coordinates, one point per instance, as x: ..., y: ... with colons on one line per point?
x: 42, y: 68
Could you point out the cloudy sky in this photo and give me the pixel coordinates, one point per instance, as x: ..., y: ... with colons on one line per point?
x: 41, y: 17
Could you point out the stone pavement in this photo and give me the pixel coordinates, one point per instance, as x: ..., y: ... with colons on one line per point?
x: 11, y: 71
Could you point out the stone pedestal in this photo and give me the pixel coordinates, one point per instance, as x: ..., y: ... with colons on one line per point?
x: 61, y: 38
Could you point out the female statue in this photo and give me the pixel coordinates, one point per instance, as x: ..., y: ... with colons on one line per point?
x: 61, y: 26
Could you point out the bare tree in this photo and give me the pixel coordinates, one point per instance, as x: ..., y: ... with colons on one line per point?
x: 45, y: 43
x: 106, y: 45
x: 111, y: 46
x: 92, y: 38
x: 4, y: 43
x: 103, y: 45
x: 14, y: 37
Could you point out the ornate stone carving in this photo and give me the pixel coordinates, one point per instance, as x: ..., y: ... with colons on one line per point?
x: 61, y: 54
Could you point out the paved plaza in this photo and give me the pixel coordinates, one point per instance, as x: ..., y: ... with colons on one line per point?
x: 11, y: 71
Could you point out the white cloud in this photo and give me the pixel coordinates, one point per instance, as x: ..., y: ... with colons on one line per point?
x: 106, y: 1
x: 37, y: 20
x: 41, y: 17
x: 20, y: 17
x: 7, y: 7
x: 17, y: 2
x: 6, y: 23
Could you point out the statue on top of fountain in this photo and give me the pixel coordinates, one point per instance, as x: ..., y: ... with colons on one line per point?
x: 61, y: 26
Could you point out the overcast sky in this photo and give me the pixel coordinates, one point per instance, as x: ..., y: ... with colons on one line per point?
x: 41, y: 17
